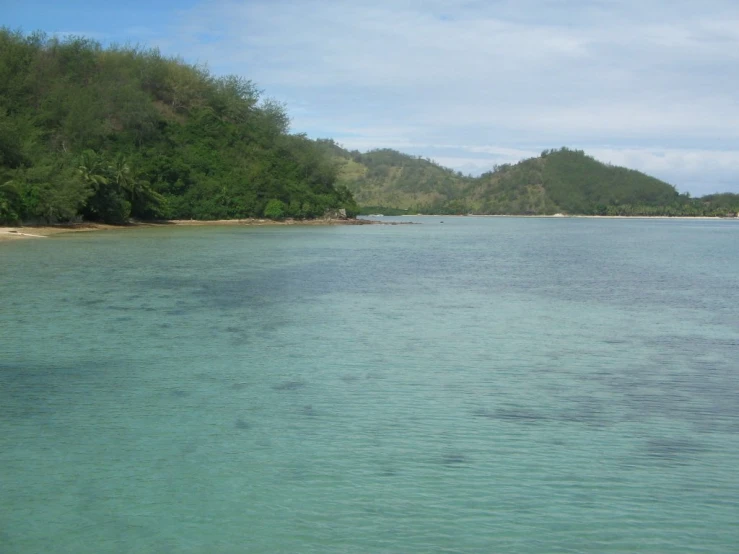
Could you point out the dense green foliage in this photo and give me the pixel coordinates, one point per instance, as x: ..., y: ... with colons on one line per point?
x: 106, y: 134
x: 721, y: 204
x: 558, y: 181
x: 568, y: 181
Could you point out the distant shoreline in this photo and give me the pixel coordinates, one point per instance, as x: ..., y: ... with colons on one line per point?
x: 45, y: 231
x: 681, y: 217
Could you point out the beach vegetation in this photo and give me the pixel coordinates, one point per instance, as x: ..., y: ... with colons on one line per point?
x: 275, y: 209
x: 119, y: 132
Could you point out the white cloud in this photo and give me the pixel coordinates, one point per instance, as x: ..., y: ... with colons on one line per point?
x: 448, y: 78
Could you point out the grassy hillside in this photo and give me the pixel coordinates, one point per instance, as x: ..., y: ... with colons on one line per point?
x: 558, y: 181
x: 111, y: 133
x: 389, y: 181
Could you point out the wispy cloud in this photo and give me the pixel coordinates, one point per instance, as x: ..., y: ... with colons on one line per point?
x: 622, y: 77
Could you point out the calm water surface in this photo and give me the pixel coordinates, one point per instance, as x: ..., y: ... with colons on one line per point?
x: 481, y: 385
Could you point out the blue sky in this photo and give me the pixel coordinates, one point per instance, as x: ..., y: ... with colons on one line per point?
x: 649, y: 84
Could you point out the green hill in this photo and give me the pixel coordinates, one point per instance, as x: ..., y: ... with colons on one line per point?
x: 111, y: 133
x: 569, y: 181
x: 559, y: 181
x: 388, y: 181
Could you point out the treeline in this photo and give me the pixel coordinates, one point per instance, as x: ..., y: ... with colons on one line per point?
x: 558, y: 181
x: 107, y: 134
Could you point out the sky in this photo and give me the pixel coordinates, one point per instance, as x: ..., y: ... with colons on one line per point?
x: 647, y: 84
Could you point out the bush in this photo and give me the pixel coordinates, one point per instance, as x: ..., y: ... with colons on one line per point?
x: 275, y: 209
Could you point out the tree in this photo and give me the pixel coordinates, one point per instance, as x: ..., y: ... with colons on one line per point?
x: 275, y: 209
x: 121, y: 176
x: 9, y: 201
x: 91, y: 169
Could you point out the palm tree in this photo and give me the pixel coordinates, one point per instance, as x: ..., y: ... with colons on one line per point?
x: 91, y: 169
x: 121, y: 175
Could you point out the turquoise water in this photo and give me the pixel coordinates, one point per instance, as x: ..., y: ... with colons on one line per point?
x: 481, y: 385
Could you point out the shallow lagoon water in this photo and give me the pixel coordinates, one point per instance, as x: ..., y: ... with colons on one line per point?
x: 481, y: 385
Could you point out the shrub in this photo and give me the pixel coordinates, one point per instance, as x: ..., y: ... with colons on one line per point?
x: 275, y: 209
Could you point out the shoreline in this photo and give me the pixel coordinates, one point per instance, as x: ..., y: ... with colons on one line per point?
x: 44, y: 231
x: 9, y: 233
x: 562, y: 216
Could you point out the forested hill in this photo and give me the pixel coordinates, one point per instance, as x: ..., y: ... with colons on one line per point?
x: 559, y: 181
x: 394, y: 182
x: 106, y: 134
x: 569, y: 181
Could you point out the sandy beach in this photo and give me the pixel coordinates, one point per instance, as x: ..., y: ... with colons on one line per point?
x: 44, y: 231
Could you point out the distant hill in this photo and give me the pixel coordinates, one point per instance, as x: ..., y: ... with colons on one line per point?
x: 558, y: 181
x: 389, y: 181
x: 568, y: 181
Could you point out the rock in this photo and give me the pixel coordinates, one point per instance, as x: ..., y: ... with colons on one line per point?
x: 335, y: 214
